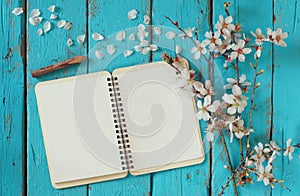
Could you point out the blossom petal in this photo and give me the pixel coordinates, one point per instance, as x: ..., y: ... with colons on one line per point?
x: 53, y: 17
x: 69, y: 42
x: 132, y: 14
x: 127, y: 53
x: 170, y: 35
x: 40, y: 31
x: 246, y: 50
x: 81, y: 38
x: 236, y: 90
x: 157, y: 30
x: 146, y: 19
x: 231, y: 110
x: 35, y: 13
x: 61, y: 23
x: 47, y: 26
x: 233, y: 55
x: 68, y: 26
x: 17, y: 11
x: 97, y: 36
x: 241, y: 57
x: 178, y: 49
x: 99, y: 54
x: 120, y: 36
x: 131, y: 37
x: 51, y: 8
x: 110, y: 49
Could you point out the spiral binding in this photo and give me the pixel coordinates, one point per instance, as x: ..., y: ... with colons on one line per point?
x: 120, y: 123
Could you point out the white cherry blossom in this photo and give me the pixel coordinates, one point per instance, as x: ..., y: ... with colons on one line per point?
x: 259, y: 37
x: 17, y: 11
x: 265, y: 174
x: 225, y: 26
x: 132, y: 14
x: 239, y: 51
x: 213, y: 40
x: 289, y: 149
x: 198, y: 50
x: 237, y: 102
x: 242, y: 82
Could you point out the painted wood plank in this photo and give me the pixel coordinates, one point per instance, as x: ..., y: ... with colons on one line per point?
x: 108, y: 18
x: 12, y: 120
x: 41, y: 51
x: 250, y: 18
x: 285, y: 94
x: 193, y: 180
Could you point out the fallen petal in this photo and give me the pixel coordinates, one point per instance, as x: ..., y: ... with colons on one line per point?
x: 81, y: 38
x: 132, y: 14
x: 178, y: 49
x: 69, y: 42
x: 97, y: 36
x: 61, y: 24
x: 120, y: 36
x: 157, y: 30
x: 111, y: 49
x: 35, y: 13
x: 127, y: 53
x: 17, y: 11
x: 53, y: 16
x: 99, y: 54
x: 170, y: 35
x: 153, y: 47
x: 68, y: 26
x: 35, y: 21
x: 51, y: 8
x: 131, y: 37
x: 40, y: 31
x: 47, y: 26
x: 146, y: 19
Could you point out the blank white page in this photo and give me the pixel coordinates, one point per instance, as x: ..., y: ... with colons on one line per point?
x: 161, y: 120
x: 78, y: 127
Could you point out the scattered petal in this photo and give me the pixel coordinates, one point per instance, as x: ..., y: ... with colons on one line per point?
x: 17, y: 11
x: 157, y: 30
x: 35, y: 13
x: 47, y: 26
x: 40, y: 31
x: 69, y: 42
x: 170, y: 35
x: 53, y: 16
x: 111, y: 49
x: 132, y: 14
x: 68, y: 26
x: 153, y: 47
x: 35, y: 21
x: 99, y: 54
x: 120, y: 36
x: 178, y: 49
x: 61, y: 24
x: 51, y: 8
x: 146, y: 19
x: 127, y: 53
x: 97, y: 36
x: 81, y: 38
x: 131, y: 37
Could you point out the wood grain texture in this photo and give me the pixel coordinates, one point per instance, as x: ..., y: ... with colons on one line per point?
x: 285, y: 94
x: 193, y: 180
x: 12, y: 119
x: 108, y: 18
x: 262, y: 114
x: 44, y: 50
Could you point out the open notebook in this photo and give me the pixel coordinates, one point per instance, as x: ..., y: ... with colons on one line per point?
x: 101, y: 126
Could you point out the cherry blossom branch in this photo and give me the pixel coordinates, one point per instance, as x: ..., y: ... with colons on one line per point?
x: 252, y: 105
x: 229, y: 162
x: 229, y: 179
x: 175, y: 23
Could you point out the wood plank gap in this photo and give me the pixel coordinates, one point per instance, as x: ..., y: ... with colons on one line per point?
x: 24, y: 59
x: 210, y: 7
x: 151, y: 39
x: 272, y: 78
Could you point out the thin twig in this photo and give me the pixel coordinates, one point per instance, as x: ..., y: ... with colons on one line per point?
x: 251, y: 107
x: 229, y: 162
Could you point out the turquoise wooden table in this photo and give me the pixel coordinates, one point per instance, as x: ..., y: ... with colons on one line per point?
x: 23, y: 167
